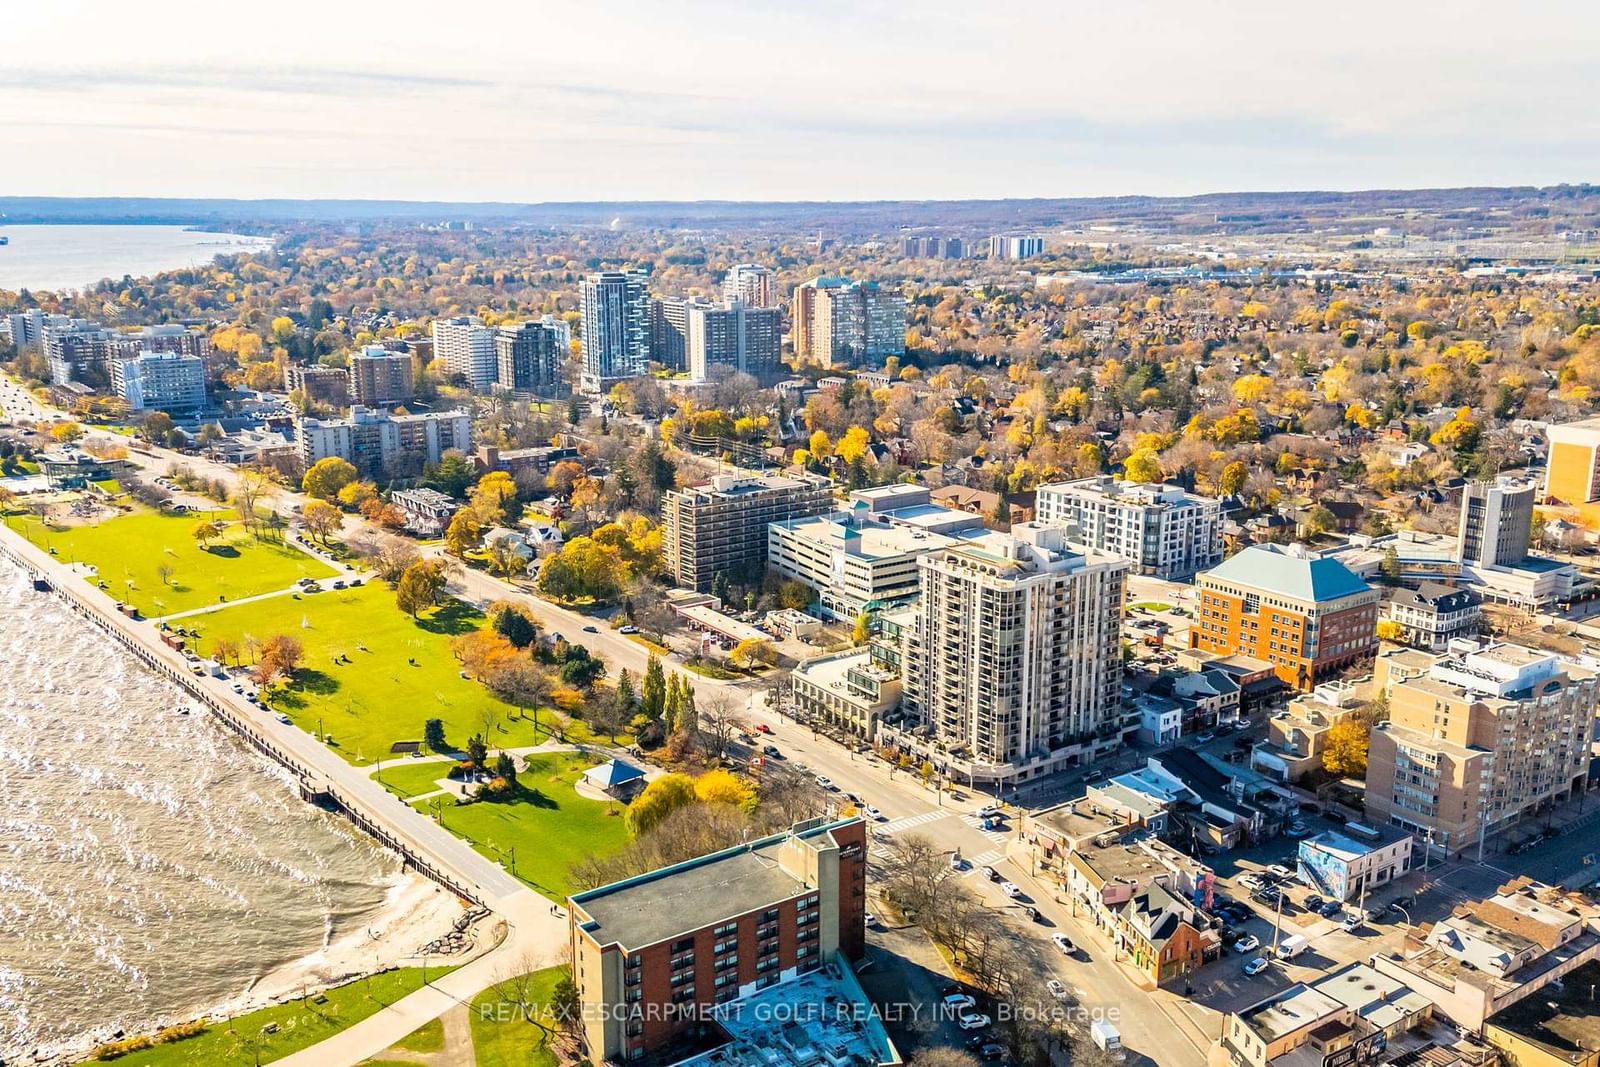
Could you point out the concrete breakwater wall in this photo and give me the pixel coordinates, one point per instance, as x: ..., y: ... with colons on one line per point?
x: 100, y: 611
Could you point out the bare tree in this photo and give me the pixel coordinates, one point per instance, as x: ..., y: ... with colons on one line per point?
x: 720, y: 722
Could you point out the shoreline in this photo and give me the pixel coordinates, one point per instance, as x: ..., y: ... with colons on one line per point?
x: 415, y: 912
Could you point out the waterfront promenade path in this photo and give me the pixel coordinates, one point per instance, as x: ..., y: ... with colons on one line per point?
x: 535, y: 930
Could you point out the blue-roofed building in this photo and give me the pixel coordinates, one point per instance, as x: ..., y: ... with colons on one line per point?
x: 1310, y: 617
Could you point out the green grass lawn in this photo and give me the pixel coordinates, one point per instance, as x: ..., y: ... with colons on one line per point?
x: 134, y: 547
x: 551, y: 828
x: 374, y: 698
x: 1152, y: 605
x: 407, y: 780
x: 429, y: 1037
x: 300, y: 1025
x: 501, y: 1035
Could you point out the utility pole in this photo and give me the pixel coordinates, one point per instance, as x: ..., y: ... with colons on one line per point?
x: 1277, y: 924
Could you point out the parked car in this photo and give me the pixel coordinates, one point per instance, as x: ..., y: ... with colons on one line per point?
x: 974, y: 1021
x: 956, y: 862
x: 873, y: 813
x: 1256, y: 966
x: 1011, y: 889
x: 1352, y: 922
x: 1330, y: 908
x: 990, y: 873
x: 591, y: 629
x: 1064, y: 943
x: 1298, y: 830
x: 1278, y: 870
x: 1314, y: 903
x: 1056, y: 989
x: 959, y: 1001
x: 825, y: 782
x: 1247, y: 943
x: 628, y: 630
x: 1252, y: 882
x: 871, y: 921
x: 991, y: 1050
x: 988, y: 811
x: 763, y: 728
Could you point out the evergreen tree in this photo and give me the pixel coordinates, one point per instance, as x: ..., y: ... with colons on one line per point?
x: 671, y: 706
x: 719, y: 587
x: 688, y: 717
x: 625, y: 698
x: 653, y: 691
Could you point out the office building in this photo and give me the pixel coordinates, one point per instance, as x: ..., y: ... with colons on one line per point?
x: 321, y: 385
x: 750, y: 284
x: 838, y: 323
x: 379, y: 377
x: 529, y: 357
x: 732, y: 335
x: 384, y: 446
x: 161, y: 381
x: 853, y: 690
x: 854, y: 563
x: 616, y: 328
x: 1495, y: 532
x: 1354, y: 1017
x: 1014, y: 660
x: 669, y: 332
x: 1496, y: 522
x: 658, y: 956
x: 1164, y: 531
x: 932, y: 247
x: 1309, y: 617
x: 1572, y: 468
x: 720, y: 526
x: 1004, y: 247
x: 1297, y: 736
x: 1486, y: 739
x: 465, y: 346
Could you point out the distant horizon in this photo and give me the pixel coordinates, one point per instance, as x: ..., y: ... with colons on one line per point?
x: 489, y: 102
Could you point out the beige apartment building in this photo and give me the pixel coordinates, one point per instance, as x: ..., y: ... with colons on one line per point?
x: 1485, y: 739
x: 720, y: 526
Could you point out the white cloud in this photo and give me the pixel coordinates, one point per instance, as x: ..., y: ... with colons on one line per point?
x: 825, y: 100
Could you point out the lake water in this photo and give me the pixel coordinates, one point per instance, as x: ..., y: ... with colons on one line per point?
x: 74, y: 257
x: 151, y: 867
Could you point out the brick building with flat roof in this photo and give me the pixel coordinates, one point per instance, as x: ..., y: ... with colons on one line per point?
x: 656, y: 956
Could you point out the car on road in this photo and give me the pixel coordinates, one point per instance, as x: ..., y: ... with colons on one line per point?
x: 1375, y: 914
x: 974, y: 1021
x: 591, y: 629
x: 1056, y: 989
x: 872, y: 921
x: 1204, y: 737
x: 763, y: 728
x: 959, y: 1001
x: 956, y: 862
x: 771, y: 750
x: 1352, y: 922
x: 1247, y: 943
x: 990, y: 873
x: 874, y: 814
x: 988, y: 811
x: 1403, y: 901
x: 1298, y: 830
x: 1011, y: 889
x: 1256, y: 966
x: 827, y: 783
x: 1064, y: 943
x: 628, y: 630
x: 284, y: 719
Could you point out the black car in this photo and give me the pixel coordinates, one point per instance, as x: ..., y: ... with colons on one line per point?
x: 1314, y: 903
x: 993, y: 1050
x: 1330, y: 909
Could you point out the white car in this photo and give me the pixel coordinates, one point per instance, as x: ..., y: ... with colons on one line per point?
x: 872, y: 920
x: 1352, y: 921
x: 988, y: 811
x: 1057, y: 990
x: 959, y: 1002
x: 285, y: 720
x: 1256, y: 966
x: 1247, y: 943
x: 1010, y: 889
x: 1252, y: 883
x: 873, y: 813
x: 957, y: 863
x: 825, y: 782
x: 1278, y: 870
x: 975, y: 1021
x: 1064, y: 943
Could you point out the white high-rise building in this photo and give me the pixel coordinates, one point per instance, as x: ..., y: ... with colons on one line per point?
x: 466, y: 347
x: 1014, y: 658
x: 161, y: 381
x: 1165, y: 531
x: 616, y: 328
x: 751, y: 284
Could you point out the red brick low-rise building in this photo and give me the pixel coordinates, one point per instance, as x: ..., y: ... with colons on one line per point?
x: 655, y: 956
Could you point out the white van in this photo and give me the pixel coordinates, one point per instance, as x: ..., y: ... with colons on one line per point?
x: 1291, y: 946
x: 1106, y: 1038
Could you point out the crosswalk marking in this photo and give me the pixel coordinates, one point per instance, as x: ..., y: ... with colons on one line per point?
x: 906, y: 822
x: 986, y: 859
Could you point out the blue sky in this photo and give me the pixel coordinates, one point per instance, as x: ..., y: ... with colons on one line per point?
x: 820, y: 100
